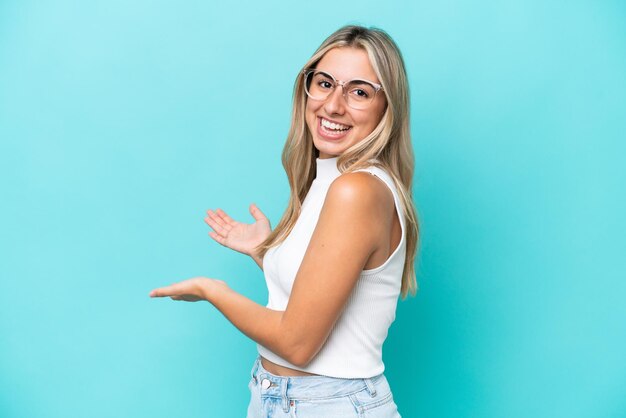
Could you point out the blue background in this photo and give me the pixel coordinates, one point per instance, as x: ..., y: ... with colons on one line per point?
x: 122, y: 122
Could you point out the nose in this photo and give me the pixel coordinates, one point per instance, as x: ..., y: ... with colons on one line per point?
x: 335, y: 102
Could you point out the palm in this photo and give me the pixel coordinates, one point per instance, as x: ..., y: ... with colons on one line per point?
x: 242, y: 237
x: 238, y: 236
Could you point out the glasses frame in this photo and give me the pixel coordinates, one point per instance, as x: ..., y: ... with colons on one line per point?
x: 377, y: 87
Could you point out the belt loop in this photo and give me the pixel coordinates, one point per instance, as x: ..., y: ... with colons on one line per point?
x: 255, y: 367
x: 285, y: 383
x: 369, y: 383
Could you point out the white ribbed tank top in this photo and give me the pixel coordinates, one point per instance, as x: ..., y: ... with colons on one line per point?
x: 354, y: 347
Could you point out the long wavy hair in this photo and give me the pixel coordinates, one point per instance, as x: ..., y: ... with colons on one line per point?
x: 389, y: 143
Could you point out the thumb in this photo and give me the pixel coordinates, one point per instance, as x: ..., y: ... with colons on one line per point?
x: 256, y: 213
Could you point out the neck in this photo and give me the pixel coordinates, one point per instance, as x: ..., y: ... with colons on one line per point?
x: 326, y: 168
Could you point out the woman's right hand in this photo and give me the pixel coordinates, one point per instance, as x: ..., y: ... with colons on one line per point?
x: 238, y: 236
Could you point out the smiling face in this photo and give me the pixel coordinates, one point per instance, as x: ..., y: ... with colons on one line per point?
x: 333, y: 124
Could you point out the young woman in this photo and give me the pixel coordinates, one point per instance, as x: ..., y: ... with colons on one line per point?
x: 344, y: 249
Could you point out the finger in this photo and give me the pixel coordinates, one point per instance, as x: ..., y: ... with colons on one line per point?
x: 173, y: 289
x: 220, y: 239
x: 225, y: 216
x: 256, y: 213
x: 218, y: 219
x: 217, y: 224
x: 160, y: 292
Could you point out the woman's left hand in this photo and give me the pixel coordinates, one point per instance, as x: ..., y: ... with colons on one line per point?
x: 191, y: 290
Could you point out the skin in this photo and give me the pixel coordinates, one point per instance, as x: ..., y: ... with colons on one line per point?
x: 344, y: 242
x: 344, y: 64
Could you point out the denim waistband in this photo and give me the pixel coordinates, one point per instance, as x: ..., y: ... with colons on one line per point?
x: 312, y: 387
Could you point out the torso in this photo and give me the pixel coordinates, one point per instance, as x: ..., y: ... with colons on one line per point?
x: 387, y: 247
x: 282, y: 370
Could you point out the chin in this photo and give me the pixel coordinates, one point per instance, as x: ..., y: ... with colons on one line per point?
x: 326, y: 150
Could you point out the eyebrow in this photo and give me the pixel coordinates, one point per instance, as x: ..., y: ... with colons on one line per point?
x: 353, y: 79
x: 324, y: 72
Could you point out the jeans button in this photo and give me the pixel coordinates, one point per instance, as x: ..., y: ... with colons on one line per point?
x: 265, y: 383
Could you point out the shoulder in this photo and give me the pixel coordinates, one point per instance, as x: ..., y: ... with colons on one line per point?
x: 357, y: 210
x: 360, y: 190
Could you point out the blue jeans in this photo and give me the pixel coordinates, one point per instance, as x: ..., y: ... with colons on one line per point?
x: 318, y: 396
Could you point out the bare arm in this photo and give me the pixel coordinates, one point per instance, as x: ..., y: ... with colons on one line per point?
x: 342, y: 242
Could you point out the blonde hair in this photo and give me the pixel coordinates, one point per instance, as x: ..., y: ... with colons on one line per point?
x: 389, y: 143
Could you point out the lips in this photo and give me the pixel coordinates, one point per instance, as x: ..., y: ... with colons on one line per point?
x: 332, y: 130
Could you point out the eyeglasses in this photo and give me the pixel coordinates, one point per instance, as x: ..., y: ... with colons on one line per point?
x: 359, y: 94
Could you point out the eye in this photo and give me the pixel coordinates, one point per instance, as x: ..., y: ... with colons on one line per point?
x: 361, y: 93
x: 361, y: 90
x: 325, y: 84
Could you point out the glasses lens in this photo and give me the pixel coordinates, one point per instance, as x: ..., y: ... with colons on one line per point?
x: 359, y: 94
x: 319, y: 85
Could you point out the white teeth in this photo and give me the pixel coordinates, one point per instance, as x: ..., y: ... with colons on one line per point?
x: 334, y: 126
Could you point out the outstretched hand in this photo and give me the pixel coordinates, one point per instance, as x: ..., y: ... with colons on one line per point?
x: 191, y: 290
x: 239, y: 236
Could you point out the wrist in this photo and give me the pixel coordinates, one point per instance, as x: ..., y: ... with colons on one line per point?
x: 212, y: 289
